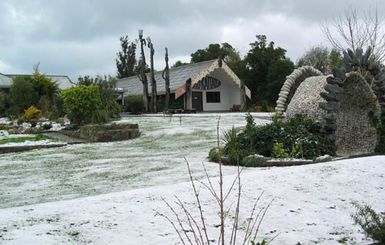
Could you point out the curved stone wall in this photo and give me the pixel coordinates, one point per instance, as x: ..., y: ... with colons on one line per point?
x: 292, y: 81
x: 307, y: 98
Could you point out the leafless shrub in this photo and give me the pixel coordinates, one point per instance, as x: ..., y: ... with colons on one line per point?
x: 192, y: 230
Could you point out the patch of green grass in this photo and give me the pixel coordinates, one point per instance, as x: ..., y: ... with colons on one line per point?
x: 23, y: 139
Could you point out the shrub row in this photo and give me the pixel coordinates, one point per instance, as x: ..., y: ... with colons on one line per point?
x: 298, y: 137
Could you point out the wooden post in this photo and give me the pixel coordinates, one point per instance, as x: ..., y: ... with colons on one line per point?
x: 188, y: 95
x: 141, y: 72
x: 166, y: 77
x: 154, y: 93
x: 243, y: 97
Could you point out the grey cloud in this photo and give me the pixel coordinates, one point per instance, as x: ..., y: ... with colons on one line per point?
x: 77, y: 37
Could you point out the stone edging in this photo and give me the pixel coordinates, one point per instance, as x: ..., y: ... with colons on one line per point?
x: 296, y: 77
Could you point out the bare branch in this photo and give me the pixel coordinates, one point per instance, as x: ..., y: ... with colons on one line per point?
x: 173, y: 225
x: 204, y: 227
x: 355, y: 30
x: 179, y: 220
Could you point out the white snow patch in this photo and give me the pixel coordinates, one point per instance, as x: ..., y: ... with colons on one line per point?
x: 312, y: 205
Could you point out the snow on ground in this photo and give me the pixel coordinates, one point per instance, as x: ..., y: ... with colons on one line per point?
x: 109, y: 193
x: 155, y: 158
x: 312, y: 205
x: 32, y: 143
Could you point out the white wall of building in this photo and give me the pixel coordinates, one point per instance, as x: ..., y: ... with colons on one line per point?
x: 230, y: 94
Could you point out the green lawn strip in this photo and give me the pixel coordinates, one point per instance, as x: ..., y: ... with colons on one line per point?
x: 37, y: 137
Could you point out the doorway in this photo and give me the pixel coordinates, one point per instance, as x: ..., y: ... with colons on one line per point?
x: 197, y: 101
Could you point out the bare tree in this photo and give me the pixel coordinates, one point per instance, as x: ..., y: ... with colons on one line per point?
x: 355, y: 30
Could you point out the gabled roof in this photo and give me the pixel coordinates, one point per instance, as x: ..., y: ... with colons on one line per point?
x: 63, y: 81
x: 5, y: 82
x: 178, y: 77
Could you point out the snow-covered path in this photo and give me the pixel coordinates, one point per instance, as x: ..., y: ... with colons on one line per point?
x: 312, y: 206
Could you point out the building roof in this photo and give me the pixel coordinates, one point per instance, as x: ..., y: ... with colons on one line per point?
x: 63, y: 81
x: 178, y: 77
x: 5, y: 82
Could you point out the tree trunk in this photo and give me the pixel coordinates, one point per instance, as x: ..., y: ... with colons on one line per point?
x: 142, y: 76
x: 188, y: 96
x: 153, y: 82
x: 243, y: 97
x: 166, y: 77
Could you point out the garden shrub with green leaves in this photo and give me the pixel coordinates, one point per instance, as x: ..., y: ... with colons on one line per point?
x: 371, y: 222
x: 133, y: 104
x: 4, y: 99
x: 32, y: 114
x: 81, y: 103
x: 298, y: 137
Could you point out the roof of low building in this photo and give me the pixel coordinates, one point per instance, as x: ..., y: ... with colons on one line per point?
x: 178, y: 76
x: 62, y: 81
x: 5, y: 82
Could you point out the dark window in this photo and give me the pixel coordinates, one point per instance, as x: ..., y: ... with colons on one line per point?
x: 213, y: 97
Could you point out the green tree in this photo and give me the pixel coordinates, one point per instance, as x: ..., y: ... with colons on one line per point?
x: 46, y: 91
x: 126, y: 61
x: 82, y: 103
x: 179, y: 63
x: 108, y: 94
x: 213, y: 51
x: 22, y: 93
x: 321, y: 58
x: 264, y: 70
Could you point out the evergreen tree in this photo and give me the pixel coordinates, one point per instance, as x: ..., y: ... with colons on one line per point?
x: 265, y: 69
x: 125, y: 63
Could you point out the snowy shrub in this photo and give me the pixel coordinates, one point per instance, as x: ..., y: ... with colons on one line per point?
x: 81, y: 103
x: 35, y: 89
x: 22, y: 94
x: 253, y: 161
x: 3, y: 103
x: 133, y: 104
x: 279, y: 151
x: 371, y: 222
x: 214, y: 155
x: 111, y: 108
x: 32, y: 114
x: 297, y: 137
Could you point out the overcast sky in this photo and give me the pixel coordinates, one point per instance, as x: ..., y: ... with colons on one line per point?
x: 82, y: 37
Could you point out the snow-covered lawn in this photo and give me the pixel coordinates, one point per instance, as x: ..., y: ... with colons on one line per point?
x: 155, y: 158
x: 312, y: 203
x: 312, y: 206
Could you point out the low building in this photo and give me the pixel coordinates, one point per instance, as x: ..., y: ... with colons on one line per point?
x: 204, y: 86
x: 62, y: 81
x: 5, y: 82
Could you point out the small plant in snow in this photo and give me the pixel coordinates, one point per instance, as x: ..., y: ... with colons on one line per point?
x: 193, y: 230
x: 371, y: 222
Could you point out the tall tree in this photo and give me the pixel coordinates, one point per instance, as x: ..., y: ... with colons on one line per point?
x: 125, y: 62
x: 213, y: 51
x: 264, y: 70
x: 356, y: 30
x: 321, y: 58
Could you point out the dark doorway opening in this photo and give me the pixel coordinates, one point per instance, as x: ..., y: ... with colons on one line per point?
x: 197, y: 101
